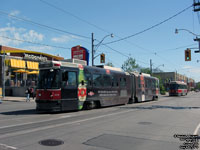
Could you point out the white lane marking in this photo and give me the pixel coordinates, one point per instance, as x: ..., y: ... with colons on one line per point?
x: 35, y: 122
x: 58, y: 125
x: 68, y: 123
x: 196, y: 130
x: 4, y: 146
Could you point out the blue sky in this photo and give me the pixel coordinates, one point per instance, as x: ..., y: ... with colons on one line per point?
x: 103, y: 17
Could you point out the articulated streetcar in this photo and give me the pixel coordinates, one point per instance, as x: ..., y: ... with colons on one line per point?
x: 65, y: 86
x: 177, y: 88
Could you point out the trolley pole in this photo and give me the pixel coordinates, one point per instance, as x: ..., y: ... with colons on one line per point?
x: 92, y: 49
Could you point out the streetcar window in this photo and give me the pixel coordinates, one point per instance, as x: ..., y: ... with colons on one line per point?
x: 69, y: 78
x: 72, y: 78
x: 122, y: 82
x: 115, y: 82
x: 49, y: 79
x: 65, y: 76
x: 97, y: 80
x: 88, y: 79
x: 107, y: 80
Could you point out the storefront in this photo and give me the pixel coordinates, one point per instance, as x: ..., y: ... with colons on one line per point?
x: 21, y: 69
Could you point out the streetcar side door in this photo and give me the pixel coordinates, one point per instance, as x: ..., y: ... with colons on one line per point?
x: 69, y: 85
x: 142, y: 82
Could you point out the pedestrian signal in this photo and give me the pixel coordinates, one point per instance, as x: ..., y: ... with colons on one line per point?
x: 187, y: 55
x: 102, y: 59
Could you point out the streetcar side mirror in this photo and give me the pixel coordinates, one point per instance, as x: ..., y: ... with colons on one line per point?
x: 82, y: 82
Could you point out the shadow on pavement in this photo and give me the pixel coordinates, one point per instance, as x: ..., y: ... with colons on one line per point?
x: 161, y: 107
x: 22, y: 112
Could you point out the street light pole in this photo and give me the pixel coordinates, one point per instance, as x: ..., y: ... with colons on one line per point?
x: 197, y: 39
x: 3, y: 79
x: 97, y: 45
x: 176, y: 31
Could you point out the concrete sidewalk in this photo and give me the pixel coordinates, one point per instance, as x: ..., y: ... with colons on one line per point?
x: 15, y: 99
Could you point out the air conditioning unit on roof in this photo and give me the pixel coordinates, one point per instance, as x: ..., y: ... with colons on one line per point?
x: 76, y: 61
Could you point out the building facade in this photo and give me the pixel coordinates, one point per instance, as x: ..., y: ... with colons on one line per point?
x: 20, y: 69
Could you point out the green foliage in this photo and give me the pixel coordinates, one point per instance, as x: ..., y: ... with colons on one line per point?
x: 146, y: 70
x: 198, y: 85
x: 161, y: 85
x: 130, y: 65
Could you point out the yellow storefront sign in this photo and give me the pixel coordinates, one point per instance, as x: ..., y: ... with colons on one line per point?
x: 1, y: 92
x: 15, y: 63
x: 32, y: 65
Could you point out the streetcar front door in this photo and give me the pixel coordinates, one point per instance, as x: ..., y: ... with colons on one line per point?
x: 69, y: 90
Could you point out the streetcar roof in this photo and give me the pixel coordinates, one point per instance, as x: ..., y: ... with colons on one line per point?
x: 177, y: 82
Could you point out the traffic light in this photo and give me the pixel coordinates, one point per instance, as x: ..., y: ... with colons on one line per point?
x: 102, y: 59
x: 187, y: 55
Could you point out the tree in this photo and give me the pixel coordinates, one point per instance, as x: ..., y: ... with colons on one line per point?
x: 146, y: 70
x: 109, y: 64
x: 161, y: 85
x: 130, y: 65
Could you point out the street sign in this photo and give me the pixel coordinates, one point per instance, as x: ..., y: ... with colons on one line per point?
x: 79, y: 52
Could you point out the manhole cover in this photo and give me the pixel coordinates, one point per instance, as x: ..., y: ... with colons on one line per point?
x: 51, y: 142
x: 145, y: 123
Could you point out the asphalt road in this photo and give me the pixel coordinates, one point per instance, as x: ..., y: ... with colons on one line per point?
x: 153, y: 125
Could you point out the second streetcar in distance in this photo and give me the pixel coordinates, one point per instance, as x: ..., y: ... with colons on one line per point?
x: 177, y: 88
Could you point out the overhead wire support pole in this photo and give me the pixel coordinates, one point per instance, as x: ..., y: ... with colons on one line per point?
x: 150, y: 66
x: 92, y: 49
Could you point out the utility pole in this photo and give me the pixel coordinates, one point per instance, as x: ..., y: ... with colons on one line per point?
x: 150, y: 66
x: 92, y: 49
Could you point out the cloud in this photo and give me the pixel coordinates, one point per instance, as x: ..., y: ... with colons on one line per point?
x: 64, y: 38
x: 20, y: 34
x: 38, y: 48
x: 14, y: 13
x: 187, y: 67
x: 195, y: 71
x: 31, y: 35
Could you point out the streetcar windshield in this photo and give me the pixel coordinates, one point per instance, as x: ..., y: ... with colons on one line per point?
x: 49, y: 79
x: 173, y: 86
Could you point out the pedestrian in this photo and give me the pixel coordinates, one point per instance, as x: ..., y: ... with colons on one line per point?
x: 28, y: 91
x: 32, y: 93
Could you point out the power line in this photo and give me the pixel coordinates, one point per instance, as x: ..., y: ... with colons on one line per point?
x: 123, y: 54
x: 87, y: 22
x: 42, y: 25
x: 172, y: 49
x: 147, y: 29
x: 64, y: 11
x: 34, y: 42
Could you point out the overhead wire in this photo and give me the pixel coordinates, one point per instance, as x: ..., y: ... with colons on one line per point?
x: 152, y: 27
x: 177, y: 48
x: 92, y: 25
x: 42, y: 25
x: 36, y: 43
x: 87, y: 22
x: 79, y: 18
